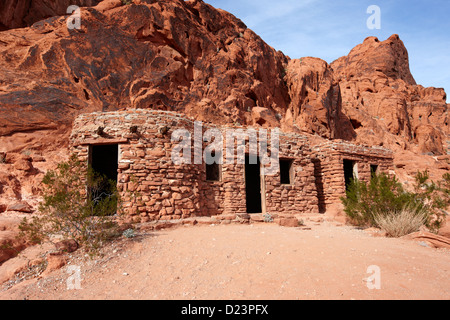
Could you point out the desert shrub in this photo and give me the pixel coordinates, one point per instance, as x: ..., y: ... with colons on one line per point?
x: 129, y: 233
x: 436, y: 196
x: 76, y: 205
x: 267, y: 217
x: 382, y: 195
x: 398, y: 224
x: 384, y: 203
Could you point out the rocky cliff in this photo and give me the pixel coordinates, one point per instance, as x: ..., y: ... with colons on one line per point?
x: 384, y: 103
x: 189, y: 57
x: 23, y: 13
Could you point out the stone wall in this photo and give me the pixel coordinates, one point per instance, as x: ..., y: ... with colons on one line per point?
x: 301, y: 195
x: 153, y: 187
x: 329, y: 167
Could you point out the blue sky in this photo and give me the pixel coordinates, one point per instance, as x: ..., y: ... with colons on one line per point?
x: 329, y: 29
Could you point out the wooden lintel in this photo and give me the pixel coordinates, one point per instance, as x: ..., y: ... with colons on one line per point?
x: 100, y: 142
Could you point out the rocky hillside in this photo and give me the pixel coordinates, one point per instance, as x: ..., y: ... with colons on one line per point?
x: 384, y: 103
x: 23, y: 13
x: 189, y: 57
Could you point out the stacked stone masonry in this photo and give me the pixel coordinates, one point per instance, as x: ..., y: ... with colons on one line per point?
x: 330, y: 175
x: 153, y: 187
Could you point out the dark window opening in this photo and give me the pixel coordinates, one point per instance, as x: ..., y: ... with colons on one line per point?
x: 104, y: 161
x: 349, y: 172
x: 253, y: 186
x: 286, y: 172
x: 213, y: 169
x: 373, y: 169
x: 318, y: 174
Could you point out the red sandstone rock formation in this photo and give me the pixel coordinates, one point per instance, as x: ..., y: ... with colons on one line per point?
x: 10, y: 245
x: 315, y: 100
x: 188, y: 57
x: 23, y: 13
x: 384, y: 103
x: 386, y: 107
x: 175, y: 55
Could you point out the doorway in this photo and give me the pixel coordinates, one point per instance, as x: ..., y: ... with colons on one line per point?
x: 349, y: 172
x: 373, y: 170
x: 104, y: 161
x: 253, y: 185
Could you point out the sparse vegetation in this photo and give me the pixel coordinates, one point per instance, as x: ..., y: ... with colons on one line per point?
x: 267, y: 217
x: 406, y: 221
x: 75, y: 206
x: 26, y: 152
x: 435, y: 196
x: 129, y: 233
x: 384, y: 203
x: 383, y: 194
x: 126, y: 2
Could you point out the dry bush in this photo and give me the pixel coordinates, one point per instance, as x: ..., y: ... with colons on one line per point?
x: 406, y: 221
x: 385, y: 198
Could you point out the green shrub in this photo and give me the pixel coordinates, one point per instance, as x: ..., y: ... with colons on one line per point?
x: 268, y: 217
x: 383, y: 202
x: 129, y: 233
x: 382, y: 195
x: 436, y: 196
x: 75, y: 206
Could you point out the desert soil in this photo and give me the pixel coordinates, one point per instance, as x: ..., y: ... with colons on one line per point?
x: 249, y: 262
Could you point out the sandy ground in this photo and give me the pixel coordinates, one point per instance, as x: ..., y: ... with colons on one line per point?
x: 249, y: 262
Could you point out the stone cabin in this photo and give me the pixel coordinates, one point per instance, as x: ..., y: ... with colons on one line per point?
x: 136, y: 148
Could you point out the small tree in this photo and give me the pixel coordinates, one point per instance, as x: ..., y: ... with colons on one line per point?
x: 77, y: 204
